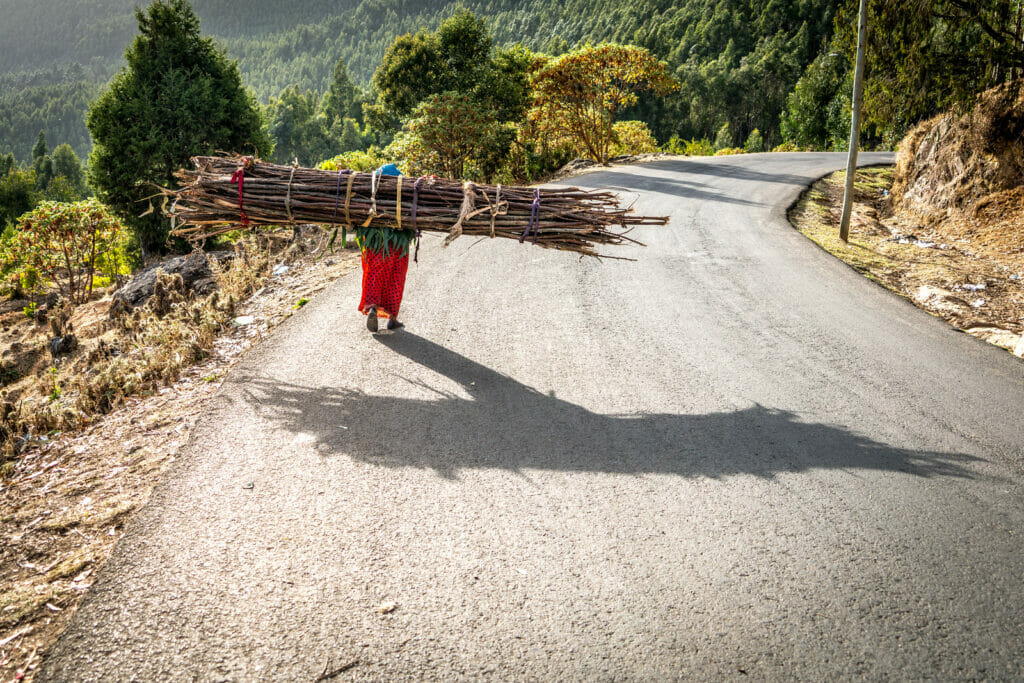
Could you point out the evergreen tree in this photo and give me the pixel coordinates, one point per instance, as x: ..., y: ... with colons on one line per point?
x: 66, y: 164
x: 7, y: 163
x: 723, y: 138
x: 343, y: 99
x: 40, y: 150
x: 179, y: 96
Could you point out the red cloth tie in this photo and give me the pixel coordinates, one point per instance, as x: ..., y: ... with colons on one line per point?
x: 238, y: 177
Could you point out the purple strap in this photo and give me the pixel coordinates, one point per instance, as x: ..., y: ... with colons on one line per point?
x: 337, y: 193
x: 415, y: 198
x: 534, y: 220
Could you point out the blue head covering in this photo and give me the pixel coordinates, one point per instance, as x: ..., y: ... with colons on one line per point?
x: 389, y: 169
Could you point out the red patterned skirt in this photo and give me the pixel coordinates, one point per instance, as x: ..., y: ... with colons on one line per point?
x: 383, y: 281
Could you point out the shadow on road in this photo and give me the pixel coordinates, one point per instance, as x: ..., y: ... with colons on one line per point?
x: 689, y: 188
x: 506, y: 424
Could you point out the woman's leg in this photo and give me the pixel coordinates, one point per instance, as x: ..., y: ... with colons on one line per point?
x: 395, y: 266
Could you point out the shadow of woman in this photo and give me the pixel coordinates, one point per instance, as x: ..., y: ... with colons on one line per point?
x: 505, y: 424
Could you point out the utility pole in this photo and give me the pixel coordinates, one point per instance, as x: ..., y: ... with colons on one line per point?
x: 858, y: 95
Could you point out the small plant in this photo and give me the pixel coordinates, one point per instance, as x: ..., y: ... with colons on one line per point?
x: 55, y: 391
x: 30, y: 310
x: 300, y: 303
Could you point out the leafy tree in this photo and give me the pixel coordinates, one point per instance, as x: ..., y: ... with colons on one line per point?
x: 67, y: 164
x: 179, y: 96
x: 458, y: 58
x: 299, y: 131
x: 578, y: 95
x: 817, y: 112
x: 349, y: 137
x: 364, y: 161
x: 924, y: 57
x: 7, y: 163
x: 63, y: 242
x: 632, y: 137
x: 451, y: 129
x: 412, y: 70
x: 17, y: 194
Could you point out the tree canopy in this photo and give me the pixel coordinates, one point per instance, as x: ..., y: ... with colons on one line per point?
x: 178, y: 96
x: 580, y: 94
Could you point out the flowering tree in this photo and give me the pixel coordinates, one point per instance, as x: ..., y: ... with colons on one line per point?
x: 65, y: 242
x: 579, y: 94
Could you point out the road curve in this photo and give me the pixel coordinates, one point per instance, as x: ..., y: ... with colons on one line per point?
x: 732, y: 456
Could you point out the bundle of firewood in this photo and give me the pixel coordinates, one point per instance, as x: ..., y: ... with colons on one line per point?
x: 222, y: 194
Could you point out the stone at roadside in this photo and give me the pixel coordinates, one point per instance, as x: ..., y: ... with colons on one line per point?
x: 61, y: 345
x: 194, y: 269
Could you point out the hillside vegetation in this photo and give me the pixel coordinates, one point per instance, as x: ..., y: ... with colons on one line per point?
x: 737, y: 61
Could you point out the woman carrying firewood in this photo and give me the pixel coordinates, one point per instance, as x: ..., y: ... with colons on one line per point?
x: 385, y: 263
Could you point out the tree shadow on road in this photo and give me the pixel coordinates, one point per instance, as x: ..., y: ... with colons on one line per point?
x: 505, y: 424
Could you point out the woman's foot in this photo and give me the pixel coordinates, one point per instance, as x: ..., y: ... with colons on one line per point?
x: 393, y: 324
x: 371, y: 319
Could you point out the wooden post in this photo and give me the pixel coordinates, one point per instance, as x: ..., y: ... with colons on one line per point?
x: 858, y: 94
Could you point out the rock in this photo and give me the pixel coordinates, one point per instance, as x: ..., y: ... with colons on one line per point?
x: 62, y: 345
x: 996, y: 336
x: 577, y: 165
x: 938, y: 299
x: 13, y: 305
x: 195, y: 276
x: 90, y: 319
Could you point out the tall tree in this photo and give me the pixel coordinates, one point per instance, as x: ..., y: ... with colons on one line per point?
x: 178, y: 96
x: 579, y: 94
x: 343, y: 98
x: 67, y: 164
x: 458, y: 58
x: 299, y: 131
x: 924, y: 56
x: 40, y: 150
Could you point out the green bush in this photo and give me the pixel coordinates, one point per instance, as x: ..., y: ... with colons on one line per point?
x: 699, y: 148
x: 367, y: 161
x: 754, y: 143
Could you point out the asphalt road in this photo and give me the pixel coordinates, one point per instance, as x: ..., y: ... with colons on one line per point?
x: 732, y: 456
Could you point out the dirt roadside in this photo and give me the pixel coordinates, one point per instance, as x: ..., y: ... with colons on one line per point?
x: 64, y: 505
x: 969, y: 271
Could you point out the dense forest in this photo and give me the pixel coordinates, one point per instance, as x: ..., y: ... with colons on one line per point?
x: 777, y: 66
x: 725, y: 52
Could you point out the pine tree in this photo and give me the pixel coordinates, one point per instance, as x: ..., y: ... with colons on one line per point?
x: 179, y: 96
x: 40, y: 150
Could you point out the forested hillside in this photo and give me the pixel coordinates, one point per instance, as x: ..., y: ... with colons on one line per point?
x: 736, y: 59
x: 770, y: 65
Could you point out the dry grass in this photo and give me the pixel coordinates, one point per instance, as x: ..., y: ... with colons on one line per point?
x: 938, y: 266
x: 67, y: 495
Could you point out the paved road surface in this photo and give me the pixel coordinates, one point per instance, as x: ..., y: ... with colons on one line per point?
x: 734, y: 456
